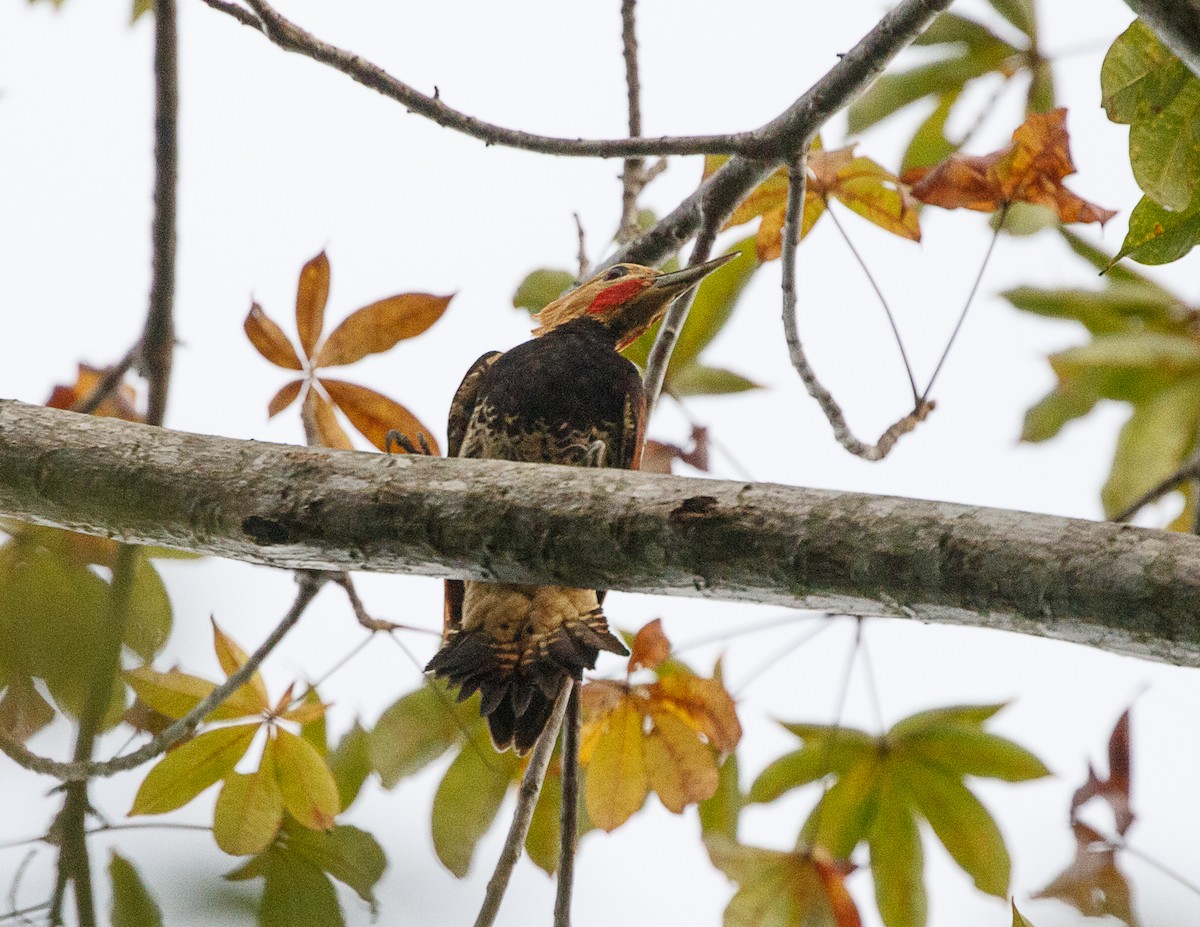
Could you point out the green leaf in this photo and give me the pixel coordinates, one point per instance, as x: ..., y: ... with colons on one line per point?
x: 1119, y: 307
x: 468, y: 799
x: 148, y: 619
x: 140, y: 9
x: 414, y: 732
x: 817, y: 758
x: 350, y: 855
x: 970, y: 716
x: 961, y: 823
x: 1129, y: 367
x: 930, y: 145
x: 174, y: 694
x: 1123, y: 273
x: 1041, y: 97
x: 844, y: 815
x: 543, y: 840
x: 1159, y: 236
x: 542, y: 287
x: 1019, y: 13
x: 350, y: 763
x: 309, y: 792
x: 893, y: 92
x: 132, y: 903
x: 719, y: 814
x: 1153, y: 444
x: 967, y: 751
x: 715, y: 300
x: 1144, y: 84
x: 897, y: 861
x: 951, y: 27
x: 189, y: 769
x: 699, y: 380
x: 296, y: 892
x: 1019, y: 920
x: 1047, y: 417
x: 316, y: 732
x: 249, y: 810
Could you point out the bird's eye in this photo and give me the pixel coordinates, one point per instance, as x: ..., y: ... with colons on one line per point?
x: 616, y: 272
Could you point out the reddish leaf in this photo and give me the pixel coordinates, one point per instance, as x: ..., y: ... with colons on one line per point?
x: 1092, y: 883
x: 1114, y: 789
x: 1030, y: 170
x: 269, y: 339
x: 650, y: 647
x: 380, y: 326
x: 120, y: 403
x: 319, y: 412
x: 658, y: 457
x: 374, y: 414
x: 284, y: 398
x: 312, y: 293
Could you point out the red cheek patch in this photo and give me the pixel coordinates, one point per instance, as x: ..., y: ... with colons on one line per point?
x: 617, y: 294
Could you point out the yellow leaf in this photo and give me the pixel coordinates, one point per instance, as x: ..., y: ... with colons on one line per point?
x: 312, y: 293
x: 285, y: 397
x: 703, y: 704
x: 616, y: 772
x: 305, y: 712
x: 379, y: 326
x: 309, y: 791
x: 188, y: 770
x: 269, y: 339
x: 374, y: 414
x: 232, y: 658
x: 319, y: 411
x: 249, y: 809
x: 174, y: 694
x: 681, y: 769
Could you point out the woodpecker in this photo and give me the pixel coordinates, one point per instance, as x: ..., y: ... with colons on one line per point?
x: 565, y: 397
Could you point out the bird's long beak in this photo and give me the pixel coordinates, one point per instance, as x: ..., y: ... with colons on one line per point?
x: 680, y: 280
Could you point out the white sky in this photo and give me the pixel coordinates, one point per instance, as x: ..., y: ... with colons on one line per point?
x: 283, y: 157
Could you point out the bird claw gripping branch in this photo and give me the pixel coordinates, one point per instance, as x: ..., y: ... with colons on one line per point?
x: 566, y: 397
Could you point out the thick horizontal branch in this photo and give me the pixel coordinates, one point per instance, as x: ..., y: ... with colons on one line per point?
x: 1116, y: 587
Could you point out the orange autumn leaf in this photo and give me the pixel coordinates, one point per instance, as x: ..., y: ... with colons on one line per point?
x: 374, y: 414
x: 319, y: 412
x: 285, y: 397
x: 1030, y: 170
x: 119, y: 403
x: 380, y: 326
x: 664, y: 737
x: 312, y: 293
x: 650, y: 647
x: 859, y: 183
x: 269, y: 340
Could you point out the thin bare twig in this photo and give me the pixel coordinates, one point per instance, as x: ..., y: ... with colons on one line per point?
x: 585, y: 265
x: 290, y: 37
x: 833, y: 412
x: 309, y: 581
x: 158, y: 339
x: 245, y: 17
x: 962, y: 316
x: 633, y: 177
x: 569, y: 815
x: 1189, y: 471
x: 673, y: 322
x: 527, y: 794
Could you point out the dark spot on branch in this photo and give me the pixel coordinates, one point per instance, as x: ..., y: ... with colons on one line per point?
x: 265, y: 531
x: 694, y: 507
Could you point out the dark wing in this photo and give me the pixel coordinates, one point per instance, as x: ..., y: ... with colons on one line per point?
x: 463, y: 403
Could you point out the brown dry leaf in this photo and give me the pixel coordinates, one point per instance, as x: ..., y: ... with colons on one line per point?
x: 650, y: 647
x: 374, y: 414
x: 1030, y: 170
x: 658, y: 457
x: 703, y: 703
x: 120, y: 403
x: 312, y: 293
x: 379, y: 326
x: 1114, y: 789
x: 269, y: 340
x: 1093, y: 883
x: 319, y: 411
x: 285, y: 397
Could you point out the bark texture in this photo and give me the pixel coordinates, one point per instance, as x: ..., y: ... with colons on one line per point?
x: 1116, y: 587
